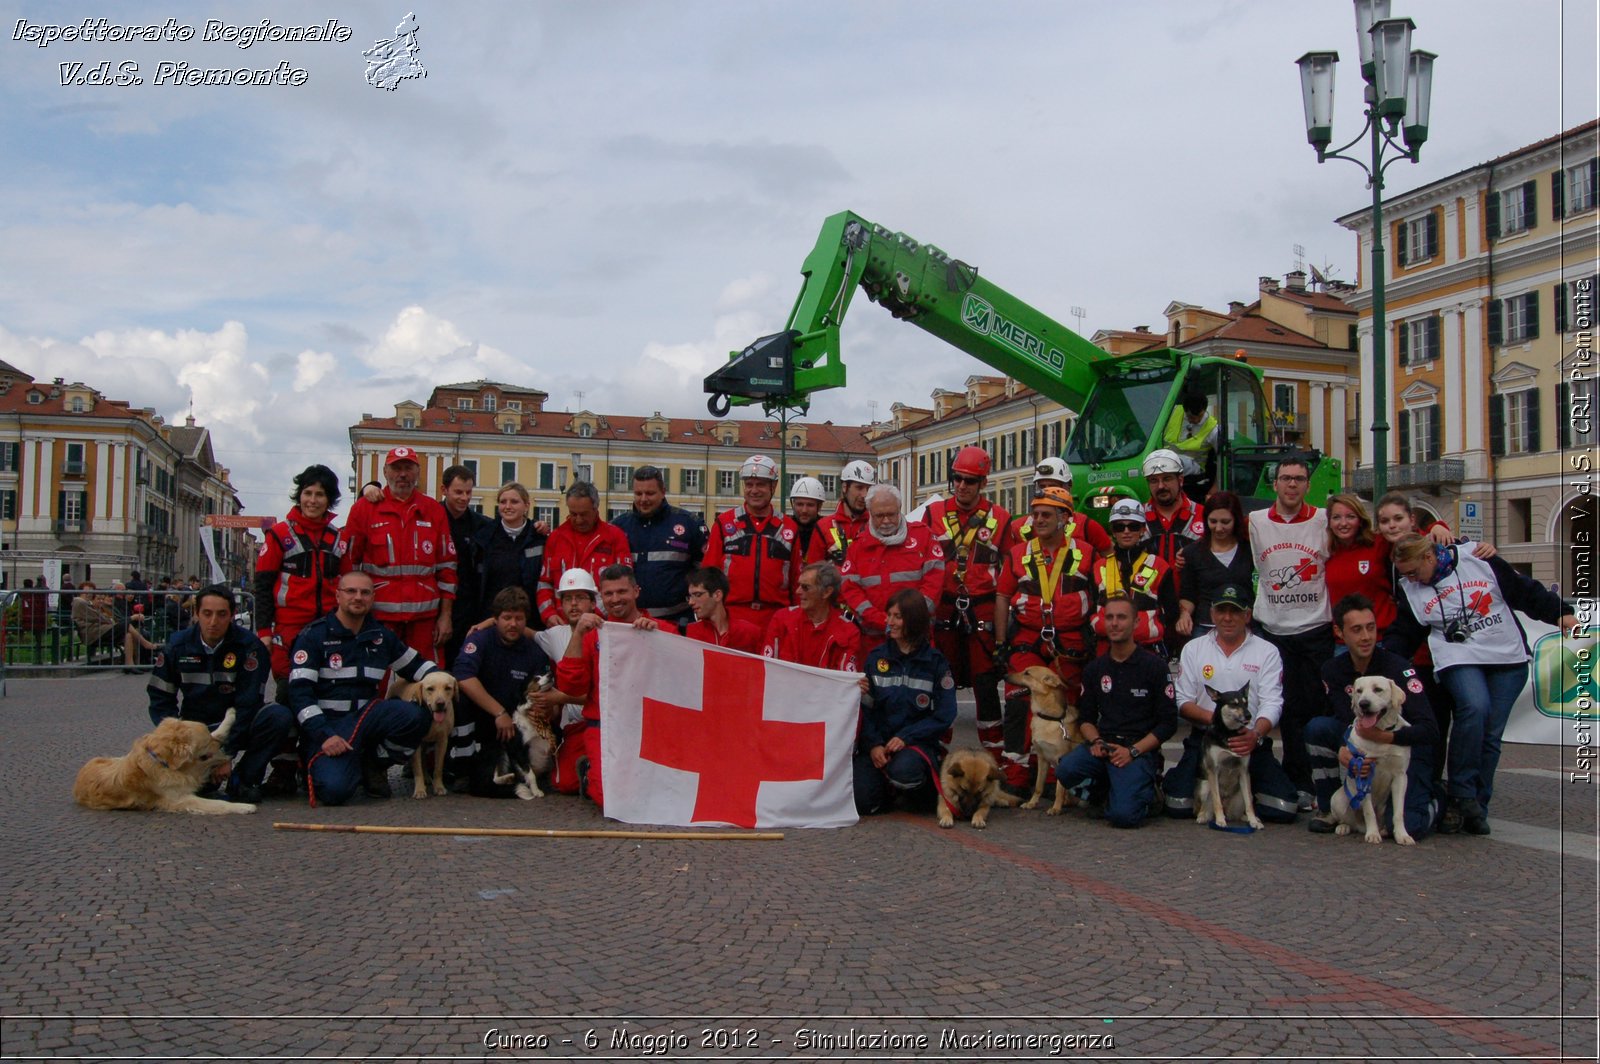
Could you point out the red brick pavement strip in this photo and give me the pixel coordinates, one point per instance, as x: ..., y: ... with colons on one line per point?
x: 1357, y: 987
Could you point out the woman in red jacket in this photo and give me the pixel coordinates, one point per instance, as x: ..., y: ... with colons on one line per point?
x: 1358, y: 560
x: 297, y: 571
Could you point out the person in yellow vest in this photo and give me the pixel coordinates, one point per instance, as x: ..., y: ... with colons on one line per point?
x: 1192, y: 432
x: 1133, y: 568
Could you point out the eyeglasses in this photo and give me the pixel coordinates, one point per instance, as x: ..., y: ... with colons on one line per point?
x: 361, y: 592
x: 1293, y: 478
x: 957, y: 478
x: 1129, y: 526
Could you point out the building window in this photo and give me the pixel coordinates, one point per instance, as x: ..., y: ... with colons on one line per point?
x: 1575, y: 304
x: 35, y: 398
x: 75, y: 465
x: 922, y: 469
x: 1575, y: 413
x: 509, y: 428
x: 10, y: 457
x: 1514, y: 422
x: 830, y: 485
x: 621, y: 477
x: 727, y: 482
x: 1418, y: 239
x: 408, y: 422
x: 1519, y: 513
x: 488, y: 401
x: 1419, y: 340
x: 73, y: 505
x: 586, y: 430
x: 547, y: 514
x: 658, y: 435
x: 691, y: 481
x: 795, y: 442
x: 1572, y: 191
x: 586, y: 473
x: 508, y: 472
x: 1512, y: 210
x: 547, y: 476
x: 514, y: 404
x: 472, y: 467
x: 8, y: 505
x: 1419, y: 434
x: 1514, y: 319
x: 463, y: 404
x: 75, y: 406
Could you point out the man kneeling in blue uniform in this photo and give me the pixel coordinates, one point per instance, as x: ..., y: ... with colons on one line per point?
x: 1355, y: 622
x: 1126, y: 712
x: 213, y: 666
x: 494, y: 669
x: 348, y: 736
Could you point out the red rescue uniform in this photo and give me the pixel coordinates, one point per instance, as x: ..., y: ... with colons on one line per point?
x: 407, y: 549
x: 833, y: 644
x: 874, y: 571
x: 297, y: 578
x: 761, y: 560
x: 567, y: 548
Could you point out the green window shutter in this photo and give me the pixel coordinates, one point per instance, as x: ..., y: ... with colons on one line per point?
x: 1533, y: 421
x: 1435, y: 345
x: 1435, y: 435
x: 1497, y: 425
x: 1594, y: 182
x: 1563, y: 424
x: 1491, y: 214
x: 1495, y: 338
x: 1402, y: 343
x: 1558, y: 201
x: 1404, y: 426
x: 1400, y: 244
x: 1530, y: 201
x: 1561, y: 308
x: 1432, y: 238
x: 1532, y: 312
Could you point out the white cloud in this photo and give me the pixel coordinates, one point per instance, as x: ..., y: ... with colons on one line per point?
x: 310, y: 368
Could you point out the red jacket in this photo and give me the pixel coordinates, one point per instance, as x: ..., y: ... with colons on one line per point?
x: 580, y: 677
x: 975, y: 545
x: 1363, y: 569
x: 833, y: 644
x: 407, y: 549
x: 1071, y: 601
x: 874, y: 572
x: 742, y: 635
x: 1152, y: 584
x: 759, y: 557
x: 840, y: 529
x: 297, y: 572
x: 567, y: 549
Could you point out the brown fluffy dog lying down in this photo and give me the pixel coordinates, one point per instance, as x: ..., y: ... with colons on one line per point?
x: 971, y: 782
x: 162, y: 771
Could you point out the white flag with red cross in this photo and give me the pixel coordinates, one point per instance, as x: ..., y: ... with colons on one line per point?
x: 697, y: 734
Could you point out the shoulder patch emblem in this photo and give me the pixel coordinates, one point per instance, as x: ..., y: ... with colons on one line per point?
x: 1207, y: 671
x: 883, y: 664
x: 262, y: 553
x: 678, y: 530
x: 229, y: 660
x: 470, y: 647
x: 1363, y: 567
x: 1414, y: 685
x: 727, y: 529
x: 1170, y: 692
x: 161, y: 659
x: 335, y: 661
x: 1105, y: 684
x: 427, y: 546
x: 788, y: 533
x: 983, y: 533
x: 1409, y: 672
x: 251, y: 662
x: 923, y: 701
x: 947, y: 681
x: 301, y: 657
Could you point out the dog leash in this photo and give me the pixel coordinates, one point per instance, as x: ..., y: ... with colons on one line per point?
x: 934, y: 771
x: 311, y: 787
x: 1363, y: 784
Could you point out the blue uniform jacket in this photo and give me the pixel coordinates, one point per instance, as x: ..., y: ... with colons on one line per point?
x: 912, y: 696
x: 667, y: 546
x: 529, y: 546
x: 208, y: 683
x: 334, y: 671
x: 1339, y: 675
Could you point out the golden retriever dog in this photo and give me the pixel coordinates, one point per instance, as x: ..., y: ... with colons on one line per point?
x: 970, y: 782
x: 1376, y: 701
x: 162, y: 771
x: 435, y: 692
x: 1054, y: 731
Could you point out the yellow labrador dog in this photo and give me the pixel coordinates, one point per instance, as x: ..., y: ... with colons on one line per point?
x: 1055, y: 731
x: 162, y: 771
x: 1376, y: 701
x: 435, y: 692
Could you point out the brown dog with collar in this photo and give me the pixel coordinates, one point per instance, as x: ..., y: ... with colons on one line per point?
x: 1054, y: 731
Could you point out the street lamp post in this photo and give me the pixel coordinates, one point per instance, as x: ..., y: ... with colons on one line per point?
x: 1399, y: 86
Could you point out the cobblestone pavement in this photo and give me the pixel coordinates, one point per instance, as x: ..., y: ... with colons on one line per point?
x: 158, y: 936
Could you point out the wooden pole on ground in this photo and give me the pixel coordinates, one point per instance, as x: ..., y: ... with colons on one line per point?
x: 544, y: 833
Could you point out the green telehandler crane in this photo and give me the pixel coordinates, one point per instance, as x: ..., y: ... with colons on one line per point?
x: 1123, y: 403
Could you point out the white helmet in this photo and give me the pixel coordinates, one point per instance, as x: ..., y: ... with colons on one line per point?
x: 1126, y: 511
x: 1162, y: 461
x: 577, y: 580
x: 858, y: 472
x: 808, y: 488
x: 1053, y: 469
x: 759, y: 465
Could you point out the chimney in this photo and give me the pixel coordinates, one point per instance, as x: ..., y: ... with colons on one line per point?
x: 1235, y: 309
x: 1269, y: 284
x: 1295, y: 280
x: 1141, y: 328
x: 188, y: 422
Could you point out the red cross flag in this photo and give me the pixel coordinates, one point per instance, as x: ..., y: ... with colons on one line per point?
x: 696, y: 734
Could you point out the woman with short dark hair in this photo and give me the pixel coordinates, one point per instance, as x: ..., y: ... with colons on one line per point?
x: 297, y: 571
x: 908, y: 703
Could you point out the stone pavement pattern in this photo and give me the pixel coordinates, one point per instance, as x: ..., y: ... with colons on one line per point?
x: 159, y: 935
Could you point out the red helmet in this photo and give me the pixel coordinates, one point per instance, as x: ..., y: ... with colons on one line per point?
x: 971, y: 461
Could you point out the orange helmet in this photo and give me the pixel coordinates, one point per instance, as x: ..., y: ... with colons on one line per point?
x: 971, y: 461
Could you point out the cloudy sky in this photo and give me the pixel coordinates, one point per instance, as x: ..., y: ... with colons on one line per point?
x: 608, y: 196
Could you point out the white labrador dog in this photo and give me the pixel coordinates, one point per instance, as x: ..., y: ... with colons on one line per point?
x: 1376, y: 701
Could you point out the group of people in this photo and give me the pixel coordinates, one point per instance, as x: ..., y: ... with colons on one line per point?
x: 1145, y: 620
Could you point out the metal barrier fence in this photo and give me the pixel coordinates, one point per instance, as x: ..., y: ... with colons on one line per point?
x: 50, y: 630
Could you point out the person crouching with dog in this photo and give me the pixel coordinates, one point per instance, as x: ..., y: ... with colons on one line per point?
x: 908, y: 702
x: 494, y: 667
x: 1355, y: 624
x: 349, y: 737
x: 1126, y: 712
x: 213, y: 666
x: 1229, y: 658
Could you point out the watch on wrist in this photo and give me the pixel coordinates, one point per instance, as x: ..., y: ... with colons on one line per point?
x: 1134, y: 752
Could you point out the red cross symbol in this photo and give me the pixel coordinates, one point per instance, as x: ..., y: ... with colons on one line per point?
x: 728, y: 742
